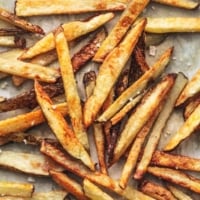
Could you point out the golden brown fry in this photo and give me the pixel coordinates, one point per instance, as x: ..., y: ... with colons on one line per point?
x: 77, y: 29
x: 172, y: 24
x: 70, y: 87
x: 133, y: 9
x: 156, y: 191
x: 94, y: 192
x: 137, y: 87
x: 68, y: 184
x: 61, y: 129
x: 16, y: 21
x: 141, y: 115
x: 159, y: 125
x: 111, y: 68
x: 176, y: 177
x: 12, y: 41
x: 16, y: 189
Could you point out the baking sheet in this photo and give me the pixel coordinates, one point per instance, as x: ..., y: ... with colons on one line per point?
x: 185, y: 59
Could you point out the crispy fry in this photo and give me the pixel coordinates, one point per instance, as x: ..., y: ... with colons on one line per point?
x: 132, y: 91
x: 68, y: 184
x: 111, y: 68
x: 141, y: 115
x: 61, y: 129
x: 77, y: 29
x: 176, y: 177
x: 133, y: 9
x: 12, y: 41
x: 94, y: 192
x: 156, y: 191
x: 159, y: 125
x: 191, y: 89
x: 16, y: 189
x: 16, y: 21
x: 70, y: 87
x: 172, y: 24
x: 187, y: 128
x: 11, y: 31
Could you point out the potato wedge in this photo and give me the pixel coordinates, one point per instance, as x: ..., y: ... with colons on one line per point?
x: 176, y: 177
x: 78, y: 28
x: 137, y: 87
x: 12, y: 41
x: 68, y: 184
x: 70, y: 87
x: 172, y: 24
x: 61, y: 129
x: 133, y: 9
x: 142, y: 114
x: 94, y: 192
x: 111, y: 69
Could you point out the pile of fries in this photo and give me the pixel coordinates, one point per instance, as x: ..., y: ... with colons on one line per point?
x: 126, y: 105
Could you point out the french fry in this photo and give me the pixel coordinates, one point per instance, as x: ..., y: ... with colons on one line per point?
x: 175, y: 161
x: 176, y: 177
x: 11, y: 31
x: 191, y: 89
x: 61, y: 129
x: 70, y: 87
x: 79, y: 169
x: 156, y: 191
x: 136, y: 88
x: 142, y: 114
x: 12, y: 41
x: 77, y: 29
x: 27, y: 120
x: 111, y: 68
x: 94, y: 192
x: 172, y: 24
x: 133, y: 9
x: 159, y: 125
x: 16, y: 21
x: 68, y: 184
x: 186, y: 129
x: 16, y: 189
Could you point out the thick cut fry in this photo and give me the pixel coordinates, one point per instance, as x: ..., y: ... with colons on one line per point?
x: 159, y: 125
x: 61, y: 129
x: 68, y: 184
x: 156, y: 191
x: 175, y: 161
x: 132, y: 91
x: 71, y: 91
x: 16, y: 189
x: 176, y: 177
x: 94, y: 192
x: 187, y: 128
x: 109, y: 72
x: 142, y: 114
x: 133, y: 9
x: 191, y: 89
x: 77, y: 29
x: 172, y: 24
x: 12, y: 41
x: 16, y: 21
x: 79, y: 169
x: 25, y: 121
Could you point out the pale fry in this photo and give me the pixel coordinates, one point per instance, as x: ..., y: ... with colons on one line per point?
x: 172, y: 24
x: 77, y: 29
x: 16, y: 189
x: 159, y: 125
x: 133, y: 9
x: 176, y: 177
x: 191, y: 89
x: 70, y: 87
x: 12, y: 41
x: 138, y: 86
x: 68, y: 184
x: 187, y: 128
x: 61, y: 129
x: 142, y: 114
x: 109, y: 72
x: 94, y: 192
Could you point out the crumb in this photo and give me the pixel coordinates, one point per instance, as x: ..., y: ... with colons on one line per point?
x: 4, y: 85
x: 31, y: 179
x: 152, y: 50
